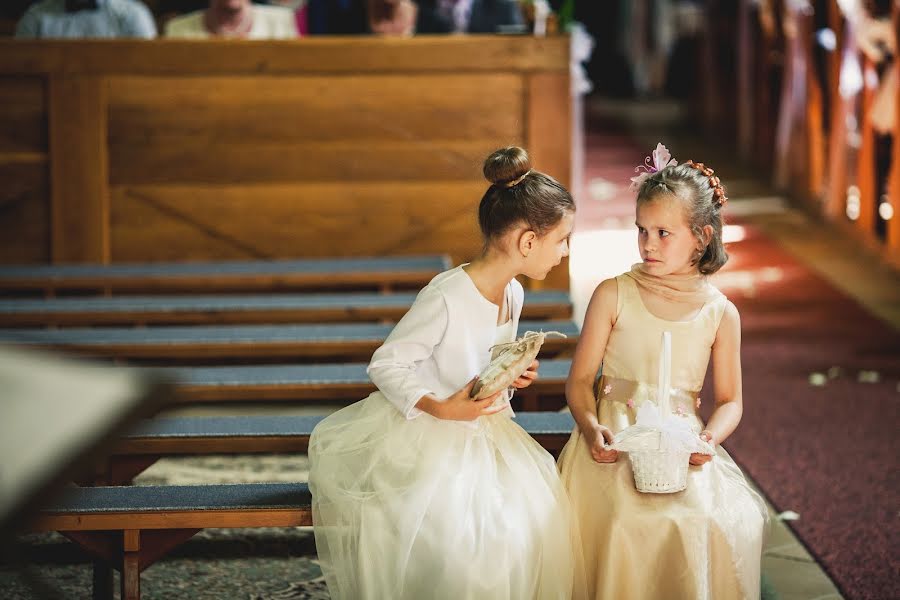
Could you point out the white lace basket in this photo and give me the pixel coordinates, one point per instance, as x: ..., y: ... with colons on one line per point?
x: 659, y: 471
x: 659, y: 445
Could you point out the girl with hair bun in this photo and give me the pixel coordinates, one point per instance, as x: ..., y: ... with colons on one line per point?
x: 705, y: 542
x: 420, y: 491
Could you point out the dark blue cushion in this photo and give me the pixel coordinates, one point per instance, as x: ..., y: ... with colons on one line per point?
x: 326, y: 266
x: 180, y: 497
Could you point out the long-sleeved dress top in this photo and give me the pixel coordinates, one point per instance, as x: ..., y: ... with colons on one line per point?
x: 442, y: 342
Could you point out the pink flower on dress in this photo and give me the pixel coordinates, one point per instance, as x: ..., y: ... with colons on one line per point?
x: 630, y: 403
x: 607, y: 389
x: 679, y: 410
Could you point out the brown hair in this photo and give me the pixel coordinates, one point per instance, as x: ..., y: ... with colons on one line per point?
x: 703, y: 197
x: 519, y: 194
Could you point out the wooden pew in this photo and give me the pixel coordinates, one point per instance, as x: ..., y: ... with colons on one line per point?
x: 155, y: 438
x: 383, y: 274
x: 326, y: 382
x: 134, y: 151
x: 760, y: 73
x: 130, y: 528
x: 799, y: 142
x: 245, y: 343
x: 854, y: 189
x: 219, y: 310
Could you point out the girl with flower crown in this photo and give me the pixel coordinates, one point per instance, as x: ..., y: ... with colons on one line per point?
x: 705, y: 542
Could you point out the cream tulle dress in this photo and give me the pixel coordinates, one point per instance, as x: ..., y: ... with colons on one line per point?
x: 703, y: 543
x: 422, y: 508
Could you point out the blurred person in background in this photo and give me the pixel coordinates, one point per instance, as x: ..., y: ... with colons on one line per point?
x: 235, y: 19
x: 86, y: 19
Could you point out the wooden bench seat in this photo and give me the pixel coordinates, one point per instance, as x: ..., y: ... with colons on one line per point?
x: 322, y: 382
x: 335, y: 341
x: 218, y: 310
x: 130, y: 528
x: 153, y: 439
x: 384, y: 273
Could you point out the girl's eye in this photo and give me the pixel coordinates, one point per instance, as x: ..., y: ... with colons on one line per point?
x: 642, y: 230
x: 663, y: 233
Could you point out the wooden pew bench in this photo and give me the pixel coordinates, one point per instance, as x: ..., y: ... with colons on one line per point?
x: 220, y: 310
x: 257, y: 343
x: 130, y: 528
x: 325, y: 382
x: 153, y: 439
x: 384, y: 274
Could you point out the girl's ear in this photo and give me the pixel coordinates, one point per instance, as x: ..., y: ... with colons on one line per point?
x: 706, y: 235
x: 527, y: 241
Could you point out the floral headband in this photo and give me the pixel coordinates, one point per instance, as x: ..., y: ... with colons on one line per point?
x: 660, y: 159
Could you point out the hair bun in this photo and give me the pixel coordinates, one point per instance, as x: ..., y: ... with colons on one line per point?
x: 506, y: 164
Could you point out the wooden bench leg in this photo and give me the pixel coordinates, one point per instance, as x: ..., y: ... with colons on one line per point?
x: 103, y: 546
x: 529, y: 400
x: 103, y: 581
x: 118, y: 469
x: 131, y: 565
x: 123, y: 469
x: 130, y: 551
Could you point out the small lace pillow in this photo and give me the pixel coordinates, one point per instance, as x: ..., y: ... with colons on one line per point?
x: 512, y: 360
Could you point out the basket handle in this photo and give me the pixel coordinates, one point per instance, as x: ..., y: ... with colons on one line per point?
x: 664, y: 382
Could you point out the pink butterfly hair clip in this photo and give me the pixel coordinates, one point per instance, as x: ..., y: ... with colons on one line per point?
x: 659, y: 160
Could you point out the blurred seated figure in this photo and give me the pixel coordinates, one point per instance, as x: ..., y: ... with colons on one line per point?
x: 87, y: 19
x: 407, y: 17
x: 468, y: 16
x: 235, y: 19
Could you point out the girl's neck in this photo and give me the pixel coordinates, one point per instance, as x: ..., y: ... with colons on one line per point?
x: 686, y: 273
x: 491, y: 276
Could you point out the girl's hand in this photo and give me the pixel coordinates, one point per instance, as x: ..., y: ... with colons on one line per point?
x: 528, y: 377
x: 461, y: 407
x: 598, y: 440
x: 698, y: 459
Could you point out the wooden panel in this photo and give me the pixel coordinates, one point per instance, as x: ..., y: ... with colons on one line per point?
x: 363, y: 54
x: 24, y: 213
x: 80, y: 202
x: 308, y: 128
x: 23, y: 120
x: 158, y: 223
x: 252, y: 109
x: 231, y: 163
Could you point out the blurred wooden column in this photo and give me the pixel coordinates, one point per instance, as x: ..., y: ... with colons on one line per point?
x: 866, y: 178
x: 893, y: 224
x: 79, y: 164
x: 841, y: 108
